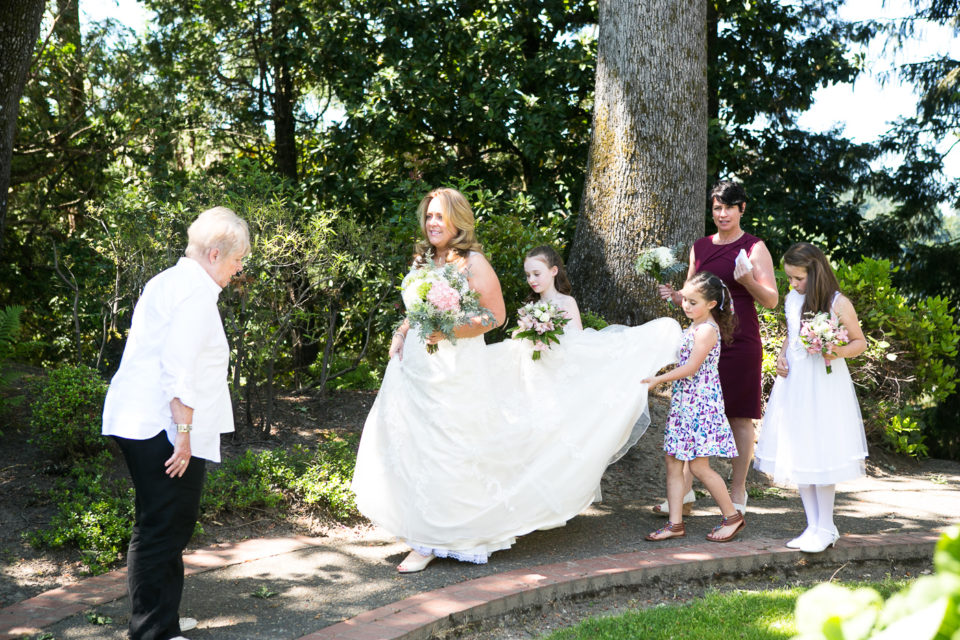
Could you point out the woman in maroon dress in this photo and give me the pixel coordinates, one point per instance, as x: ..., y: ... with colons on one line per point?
x: 740, y: 362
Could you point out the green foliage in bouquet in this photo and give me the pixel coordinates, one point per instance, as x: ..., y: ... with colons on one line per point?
x: 929, y: 609
x: 66, y: 417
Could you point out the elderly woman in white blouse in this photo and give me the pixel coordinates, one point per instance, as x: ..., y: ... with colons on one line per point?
x: 166, y: 408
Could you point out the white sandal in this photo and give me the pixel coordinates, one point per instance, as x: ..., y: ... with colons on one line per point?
x: 415, y: 562
x: 663, y: 509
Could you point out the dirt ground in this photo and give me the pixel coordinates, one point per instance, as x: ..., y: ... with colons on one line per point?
x: 25, y: 481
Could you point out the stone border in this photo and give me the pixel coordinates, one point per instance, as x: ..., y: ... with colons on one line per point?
x: 421, y: 616
x: 424, y: 615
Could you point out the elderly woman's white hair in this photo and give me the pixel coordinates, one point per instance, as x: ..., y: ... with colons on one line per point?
x: 218, y: 228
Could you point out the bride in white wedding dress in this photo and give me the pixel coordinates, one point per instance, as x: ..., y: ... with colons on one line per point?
x: 471, y: 446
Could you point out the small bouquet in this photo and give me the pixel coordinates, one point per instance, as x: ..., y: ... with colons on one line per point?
x: 542, y: 322
x: 821, y: 334
x: 660, y: 263
x: 444, y: 302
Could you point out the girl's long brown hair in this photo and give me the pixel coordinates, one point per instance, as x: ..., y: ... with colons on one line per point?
x: 822, y: 282
x: 560, y: 282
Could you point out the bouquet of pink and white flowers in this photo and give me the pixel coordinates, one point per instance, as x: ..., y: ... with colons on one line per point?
x: 542, y: 322
x: 821, y: 334
x: 444, y: 302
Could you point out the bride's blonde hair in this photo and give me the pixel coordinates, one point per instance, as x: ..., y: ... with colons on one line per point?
x: 456, y: 212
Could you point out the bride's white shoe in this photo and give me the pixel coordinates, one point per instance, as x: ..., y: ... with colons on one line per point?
x: 415, y: 562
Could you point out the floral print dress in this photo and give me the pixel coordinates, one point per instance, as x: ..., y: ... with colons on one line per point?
x: 697, y: 426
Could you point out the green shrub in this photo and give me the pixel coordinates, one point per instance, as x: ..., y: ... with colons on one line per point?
x: 279, y: 478
x: 66, y: 417
x: 592, y: 320
x: 94, y: 514
x: 9, y: 331
x: 907, y: 367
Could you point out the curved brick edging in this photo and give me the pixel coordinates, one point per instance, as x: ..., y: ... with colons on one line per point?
x: 29, y: 616
x: 422, y: 616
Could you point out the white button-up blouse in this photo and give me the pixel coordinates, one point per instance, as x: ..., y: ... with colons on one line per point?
x: 176, y: 349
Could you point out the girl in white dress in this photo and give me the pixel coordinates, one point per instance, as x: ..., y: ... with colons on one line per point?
x: 548, y: 282
x: 471, y: 446
x: 812, y: 430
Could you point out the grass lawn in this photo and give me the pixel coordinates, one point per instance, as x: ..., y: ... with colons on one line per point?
x: 744, y: 615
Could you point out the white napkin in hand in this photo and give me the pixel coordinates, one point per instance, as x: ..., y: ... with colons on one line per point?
x: 742, y: 259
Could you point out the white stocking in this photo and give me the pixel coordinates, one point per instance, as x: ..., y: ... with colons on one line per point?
x: 808, y: 495
x: 825, y: 494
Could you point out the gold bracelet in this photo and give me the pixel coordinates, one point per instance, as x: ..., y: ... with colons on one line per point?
x: 184, y: 428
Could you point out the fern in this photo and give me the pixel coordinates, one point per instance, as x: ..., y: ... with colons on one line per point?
x: 9, y: 329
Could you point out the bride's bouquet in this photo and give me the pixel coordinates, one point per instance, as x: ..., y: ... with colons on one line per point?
x: 542, y: 322
x: 444, y: 302
x: 660, y: 263
x: 821, y: 334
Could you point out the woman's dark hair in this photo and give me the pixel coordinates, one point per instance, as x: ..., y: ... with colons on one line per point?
x: 713, y: 289
x: 729, y: 193
x: 549, y: 255
x: 821, y: 280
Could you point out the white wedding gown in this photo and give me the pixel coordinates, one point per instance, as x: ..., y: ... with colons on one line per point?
x: 468, y: 448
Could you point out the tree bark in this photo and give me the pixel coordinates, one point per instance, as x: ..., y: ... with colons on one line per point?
x: 284, y: 98
x: 647, y: 165
x: 19, y: 30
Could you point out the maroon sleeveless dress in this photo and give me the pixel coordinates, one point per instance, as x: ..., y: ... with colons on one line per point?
x: 740, y: 361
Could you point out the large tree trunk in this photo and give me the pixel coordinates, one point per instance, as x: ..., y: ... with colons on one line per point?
x: 284, y: 97
x: 19, y: 29
x: 646, y: 170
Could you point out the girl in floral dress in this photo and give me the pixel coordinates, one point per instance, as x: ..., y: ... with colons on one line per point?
x: 697, y: 426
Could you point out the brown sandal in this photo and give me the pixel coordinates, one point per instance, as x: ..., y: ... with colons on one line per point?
x: 737, y: 519
x: 678, y: 530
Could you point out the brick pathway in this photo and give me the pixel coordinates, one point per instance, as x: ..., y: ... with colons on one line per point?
x: 420, y: 616
x: 29, y: 616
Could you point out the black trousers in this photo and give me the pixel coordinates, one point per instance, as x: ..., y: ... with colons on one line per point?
x: 166, y: 511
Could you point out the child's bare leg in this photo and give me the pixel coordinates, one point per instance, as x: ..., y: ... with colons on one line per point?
x: 687, y: 479
x: 718, y: 489
x: 674, y: 528
x: 675, y: 488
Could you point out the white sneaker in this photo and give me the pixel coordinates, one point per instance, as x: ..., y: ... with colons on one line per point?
x: 188, y: 624
x: 178, y: 638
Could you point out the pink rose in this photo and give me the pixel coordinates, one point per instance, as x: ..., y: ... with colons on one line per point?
x: 444, y: 297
